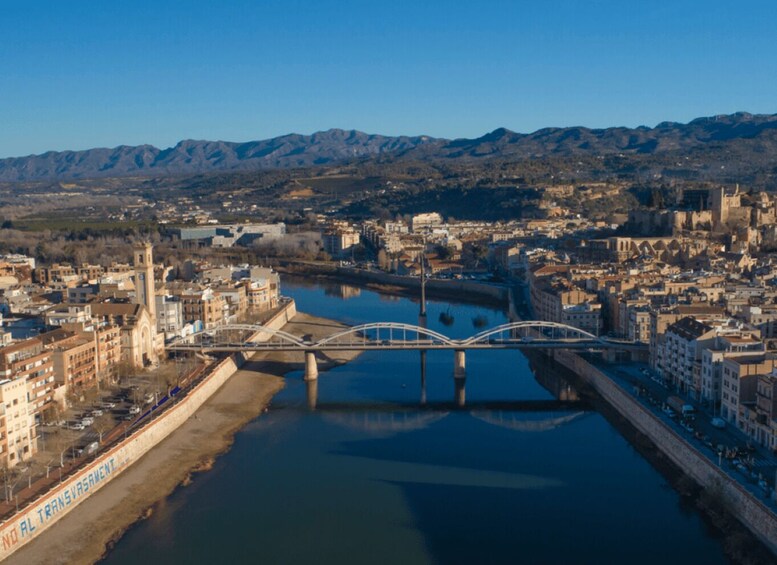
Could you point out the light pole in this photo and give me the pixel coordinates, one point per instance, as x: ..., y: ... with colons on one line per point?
x: 422, y: 312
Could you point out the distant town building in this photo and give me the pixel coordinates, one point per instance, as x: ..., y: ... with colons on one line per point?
x: 426, y: 222
x: 339, y: 242
x: 229, y: 235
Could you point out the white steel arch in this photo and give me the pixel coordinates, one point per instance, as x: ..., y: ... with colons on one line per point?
x: 248, y: 328
x: 390, y: 329
x: 483, y: 337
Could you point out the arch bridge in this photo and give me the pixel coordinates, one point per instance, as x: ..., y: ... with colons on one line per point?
x: 393, y: 336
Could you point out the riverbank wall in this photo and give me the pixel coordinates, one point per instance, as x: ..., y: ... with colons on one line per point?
x: 34, y: 519
x: 746, y: 507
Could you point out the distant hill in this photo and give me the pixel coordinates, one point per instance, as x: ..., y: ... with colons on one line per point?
x: 571, y: 141
x: 191, y: 156
x: 741, y: 135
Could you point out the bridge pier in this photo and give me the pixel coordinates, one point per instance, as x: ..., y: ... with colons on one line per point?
x: 459, y: 364
x: 311, y: 366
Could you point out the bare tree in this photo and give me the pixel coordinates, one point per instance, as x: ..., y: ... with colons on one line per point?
x: 103, y: 424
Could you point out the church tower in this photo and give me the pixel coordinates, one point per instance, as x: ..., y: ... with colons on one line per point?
x: 144, y: 278
x: 720, y: 207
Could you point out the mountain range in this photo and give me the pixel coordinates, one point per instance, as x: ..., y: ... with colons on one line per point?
x: 753, y: 134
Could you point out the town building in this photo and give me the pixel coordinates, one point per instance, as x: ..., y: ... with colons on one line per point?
x: 31, y: 363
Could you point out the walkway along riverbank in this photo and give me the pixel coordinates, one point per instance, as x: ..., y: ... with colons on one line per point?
x: 120, y: 459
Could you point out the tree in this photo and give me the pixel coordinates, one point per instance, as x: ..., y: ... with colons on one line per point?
x: 443, y: 252
x: 102, y: 424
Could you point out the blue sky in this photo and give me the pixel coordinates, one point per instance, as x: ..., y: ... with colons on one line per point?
x: 75, y: 75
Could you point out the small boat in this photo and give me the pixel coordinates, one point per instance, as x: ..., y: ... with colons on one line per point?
x: 480, y: 321
x: 446, y: 319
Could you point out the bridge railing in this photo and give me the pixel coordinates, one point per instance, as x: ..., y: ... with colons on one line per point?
x: 385, y: 333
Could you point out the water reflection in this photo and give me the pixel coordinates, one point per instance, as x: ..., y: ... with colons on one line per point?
x: 519, y: 422
x: 394, y: 421
x: 344, y: 291
x: 312, y: 393
x: 459, y: 391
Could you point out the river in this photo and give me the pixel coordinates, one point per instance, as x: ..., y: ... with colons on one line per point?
x: 375, y: 475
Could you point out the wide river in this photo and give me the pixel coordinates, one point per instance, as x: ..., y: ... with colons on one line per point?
x: 375, y: 475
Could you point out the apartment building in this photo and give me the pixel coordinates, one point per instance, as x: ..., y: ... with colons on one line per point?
x: 169, y: 315
x: 67, y: 314
x: 29, y: 361
x: 684, y: 342
x: 561, y: 301
x: 75, y: 360
x: 18, y: 430
x: 235, y: 297
x: 725, y: 346
x: 763, y: 419
x: 740, y: 387
x: 339, y: 242
x: 201, y: 304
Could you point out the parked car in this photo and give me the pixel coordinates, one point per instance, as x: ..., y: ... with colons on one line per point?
x: 109, y: 404
x: 134, y: 409
x: 98, y: 412
x: 92, y: 447
x: 87, y: 420
x: 149, y: 398
x: 76, y: 426
x: 719, y: 423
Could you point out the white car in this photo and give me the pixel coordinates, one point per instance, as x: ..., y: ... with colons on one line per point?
x: 134, y: 410
x: 719, y: 423
x: 87, y: 421
x: 76, y: 426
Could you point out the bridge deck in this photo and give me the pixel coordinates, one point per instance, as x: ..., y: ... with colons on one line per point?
x: 408, y: 346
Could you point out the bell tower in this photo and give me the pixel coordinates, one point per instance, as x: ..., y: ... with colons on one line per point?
x: 144, y: 277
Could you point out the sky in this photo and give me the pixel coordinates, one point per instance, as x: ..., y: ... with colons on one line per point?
x: 76, y: 75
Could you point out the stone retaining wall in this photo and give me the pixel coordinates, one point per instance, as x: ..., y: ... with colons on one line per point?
x: 33, y: 520
x: 745, y: 506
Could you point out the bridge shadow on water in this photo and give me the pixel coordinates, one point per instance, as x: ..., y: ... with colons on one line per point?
x: 483, y: 482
